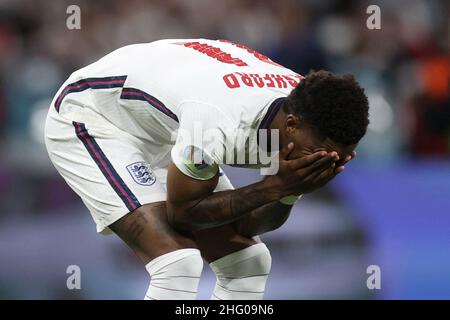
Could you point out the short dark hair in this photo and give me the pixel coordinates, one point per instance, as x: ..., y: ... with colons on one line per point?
x: 334, y: 105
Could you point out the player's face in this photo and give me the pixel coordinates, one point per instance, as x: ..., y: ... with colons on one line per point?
x: 307, y: 142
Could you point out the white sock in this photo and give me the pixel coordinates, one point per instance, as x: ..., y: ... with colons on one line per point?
x: 242, y: 275
x: 175, y: 275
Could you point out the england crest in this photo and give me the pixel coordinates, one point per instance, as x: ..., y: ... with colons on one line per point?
x: 141, y: 173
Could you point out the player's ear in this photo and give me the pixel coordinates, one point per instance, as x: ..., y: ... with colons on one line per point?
x: 292, y: 124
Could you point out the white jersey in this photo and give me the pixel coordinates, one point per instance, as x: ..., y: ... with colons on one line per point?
x: 155, y: 91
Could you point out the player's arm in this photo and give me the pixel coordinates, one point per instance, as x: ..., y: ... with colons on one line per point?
x: 192, y: 205
x: 273, y: 215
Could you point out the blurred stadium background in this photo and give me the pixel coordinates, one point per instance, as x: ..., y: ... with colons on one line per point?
x: 390, y: 208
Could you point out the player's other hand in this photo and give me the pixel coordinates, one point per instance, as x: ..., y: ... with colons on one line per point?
x: 307, y: 173
x: 340, y: 165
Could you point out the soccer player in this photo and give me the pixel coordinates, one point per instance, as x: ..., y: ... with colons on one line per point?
x: 139, y: 135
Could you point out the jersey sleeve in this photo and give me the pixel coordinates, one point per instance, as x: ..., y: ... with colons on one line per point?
x: 201, y: 140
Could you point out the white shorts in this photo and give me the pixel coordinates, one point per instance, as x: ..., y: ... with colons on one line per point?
x: 111, y: 170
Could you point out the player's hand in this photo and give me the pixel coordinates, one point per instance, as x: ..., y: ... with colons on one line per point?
x: 340, y: 165
x: 305, y: 174
x: 331, y: 172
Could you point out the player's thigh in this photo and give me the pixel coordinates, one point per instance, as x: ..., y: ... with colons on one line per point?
x: 215, y: 243
x: 218, y: 242
x: 109, y: 171
x: 147, y: 231
x: 103, y: 165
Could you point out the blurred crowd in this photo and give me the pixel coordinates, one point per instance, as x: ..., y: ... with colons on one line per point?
x: 404, y: 67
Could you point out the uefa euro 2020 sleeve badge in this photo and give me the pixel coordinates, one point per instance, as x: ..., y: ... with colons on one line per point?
x: 141, y: 173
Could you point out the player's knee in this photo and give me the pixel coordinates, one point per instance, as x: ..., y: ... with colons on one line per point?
x: 243, y: 274
x: 254, y: 229
x: 175, y: 275
x: 277, y: 222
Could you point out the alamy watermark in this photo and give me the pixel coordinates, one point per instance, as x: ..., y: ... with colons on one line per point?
x: 73, y: 281
x: 374, y: 280
x: 373, y: 22
x: 232, y: 147
x: 73, y: 21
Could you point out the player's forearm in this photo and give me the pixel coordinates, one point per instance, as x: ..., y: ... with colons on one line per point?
x: 263, y: 219
x: 222, y: 207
